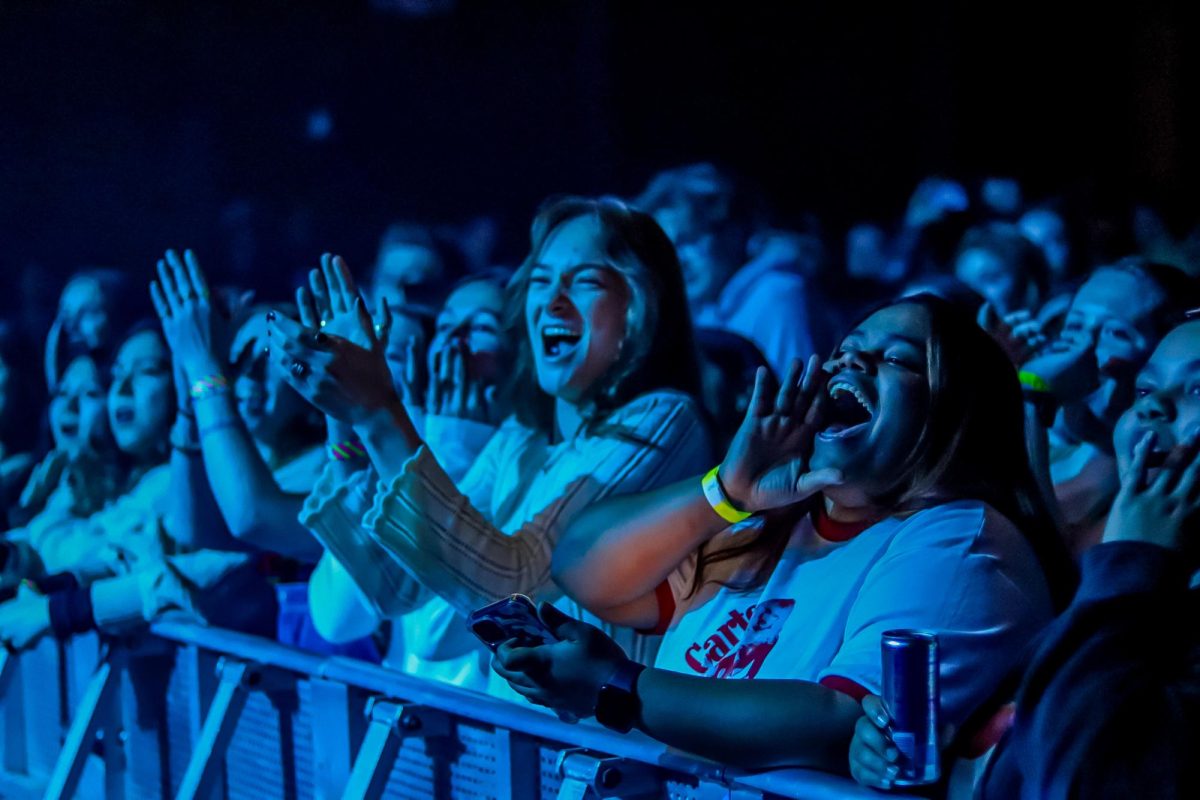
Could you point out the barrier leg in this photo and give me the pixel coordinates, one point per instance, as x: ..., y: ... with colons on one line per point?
x: 586, y: 774
x: 12, y: 717
x: 208, y: 751
x: 337, y: 730
x: 390, y: 724
x: 518, y: 771
x: 96, y: 709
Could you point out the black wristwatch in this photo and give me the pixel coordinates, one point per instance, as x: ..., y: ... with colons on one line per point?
x: 618, y: 706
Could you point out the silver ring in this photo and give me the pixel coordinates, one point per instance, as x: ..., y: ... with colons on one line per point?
x: 299, y: 369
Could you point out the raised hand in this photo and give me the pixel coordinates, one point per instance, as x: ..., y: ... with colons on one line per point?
x: 1153, y: 508
x: 327, y: 303
x: 767, y: 462
x: 182, y: 301
x: 452, y: 391
x: 344, y: 380
x: 1020, y: 333
x: 43, y: 480
x: 1068, y: 368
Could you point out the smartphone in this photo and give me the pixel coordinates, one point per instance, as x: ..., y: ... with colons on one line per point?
x: 514, y: 617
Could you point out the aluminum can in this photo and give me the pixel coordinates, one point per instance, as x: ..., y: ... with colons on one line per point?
x: 910, y: 694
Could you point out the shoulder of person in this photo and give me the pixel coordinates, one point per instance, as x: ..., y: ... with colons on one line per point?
x: 954, y: 521
x: 155, y: 482
x: 765, y: 285
x: 660, y: 402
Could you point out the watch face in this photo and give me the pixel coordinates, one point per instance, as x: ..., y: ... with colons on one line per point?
x: 616, y: 708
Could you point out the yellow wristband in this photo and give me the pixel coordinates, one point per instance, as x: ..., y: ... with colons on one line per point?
x: 1032, y: 381
x: 717, y: 499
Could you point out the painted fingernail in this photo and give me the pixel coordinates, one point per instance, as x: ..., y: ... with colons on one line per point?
x: 892, y: 773
x: 891, y: 753
x: 270, y: 316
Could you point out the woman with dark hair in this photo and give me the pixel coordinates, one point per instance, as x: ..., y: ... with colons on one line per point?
x: 894, y: 494
x: 95, y: 307
x: 120, y: 567
x: 603, y: 396
x: 1109, y: 703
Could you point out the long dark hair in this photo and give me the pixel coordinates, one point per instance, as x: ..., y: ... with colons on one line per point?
x: 658, y: 352
x: 971, y: 446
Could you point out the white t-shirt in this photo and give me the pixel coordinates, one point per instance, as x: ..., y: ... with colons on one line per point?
x: 960, y: 569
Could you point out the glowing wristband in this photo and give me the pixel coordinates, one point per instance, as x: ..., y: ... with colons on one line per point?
x: 718, y: 500
x: 1032, y: 382
x: 209, y: 386
x: 348, y: 450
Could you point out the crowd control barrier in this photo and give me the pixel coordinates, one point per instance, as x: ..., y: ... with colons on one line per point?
x: 196, y: 712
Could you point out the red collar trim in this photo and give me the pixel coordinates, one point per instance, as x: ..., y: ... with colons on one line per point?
x: 833, y: 531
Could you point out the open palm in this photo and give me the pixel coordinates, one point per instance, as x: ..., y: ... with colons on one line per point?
x: 767, y: 463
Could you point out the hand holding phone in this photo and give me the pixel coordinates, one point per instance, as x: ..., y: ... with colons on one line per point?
x: 514, y: 617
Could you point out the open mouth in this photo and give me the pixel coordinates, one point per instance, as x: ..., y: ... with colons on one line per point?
x: 848, y: 411
x: 68, y: 428
x: 559, y: 340
x: 123, y: 416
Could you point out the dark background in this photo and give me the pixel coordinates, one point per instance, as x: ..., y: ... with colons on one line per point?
x: 126, y: 126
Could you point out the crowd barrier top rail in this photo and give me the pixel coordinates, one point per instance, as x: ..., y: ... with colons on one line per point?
x: 793, y: 783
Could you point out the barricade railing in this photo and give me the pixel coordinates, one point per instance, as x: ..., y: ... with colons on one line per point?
x: 198, y: 712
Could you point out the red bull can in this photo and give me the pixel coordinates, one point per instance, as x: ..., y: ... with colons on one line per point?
x: 910, y: 694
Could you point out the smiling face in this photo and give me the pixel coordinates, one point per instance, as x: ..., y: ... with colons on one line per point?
x: 77, y: 407
x: 265, y: 401
x: 575, y: 310
x: 875, y: 403
x: 472, y: 318
x: 1167, y: 400
x: 140, y: 396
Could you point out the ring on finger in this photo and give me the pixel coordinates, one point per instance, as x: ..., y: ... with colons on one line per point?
x: 299, y: 368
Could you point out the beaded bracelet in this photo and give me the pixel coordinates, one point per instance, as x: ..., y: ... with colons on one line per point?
x: 209, y: 386
x: 347, y: 450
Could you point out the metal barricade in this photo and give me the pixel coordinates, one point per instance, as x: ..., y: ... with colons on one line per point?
x: 196, y: 712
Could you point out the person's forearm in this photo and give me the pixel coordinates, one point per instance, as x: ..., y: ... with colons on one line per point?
x: 755, y: 724
x: 390, y: 440
x: 649, y: 534
x: 254, y: 508
x: 1037, y: 445
x: 192, y: 517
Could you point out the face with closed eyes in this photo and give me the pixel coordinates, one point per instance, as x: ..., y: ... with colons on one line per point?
x: 575, y: 310
x: 875, y: 402
x: 77, y: 407
x: 1167, y: 403
x: 140, y: 395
